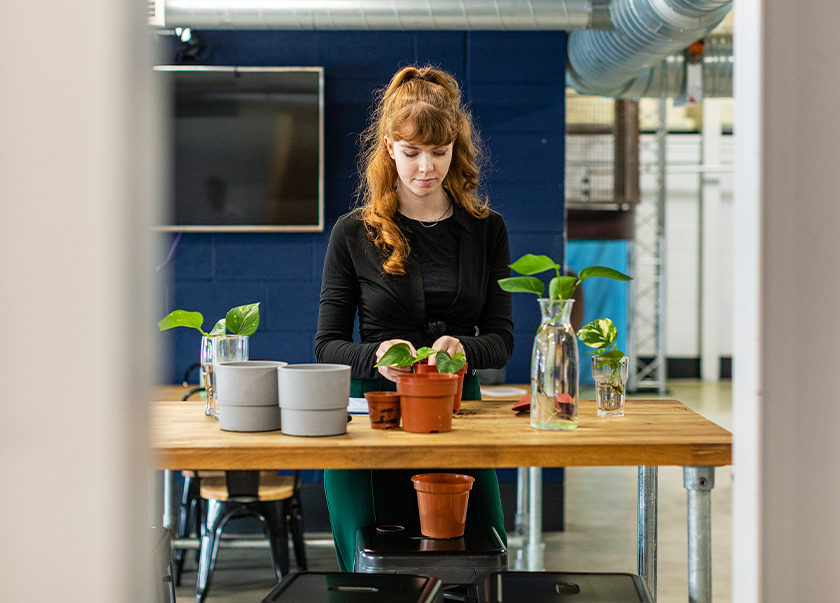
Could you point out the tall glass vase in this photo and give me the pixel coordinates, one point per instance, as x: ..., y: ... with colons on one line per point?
x: 216, y: 349
x: 554, y: 368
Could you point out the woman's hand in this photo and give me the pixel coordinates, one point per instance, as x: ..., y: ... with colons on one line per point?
x: 448, y: 344
x: 392, y: 372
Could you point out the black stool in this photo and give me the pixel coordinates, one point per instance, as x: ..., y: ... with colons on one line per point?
x: 329, y: 587
x: 462, y: 564
x: 512, y: 587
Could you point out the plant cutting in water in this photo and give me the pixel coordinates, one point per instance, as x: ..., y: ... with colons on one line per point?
x: 601, y: 335
x: 560, y: 287
x: 400, y: 355
x: 241, y: 320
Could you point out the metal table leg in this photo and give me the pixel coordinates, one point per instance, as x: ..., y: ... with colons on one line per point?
x: 699, y: 482
x: 535, y: 547
x: 646, y: 526
x: 169, y: 508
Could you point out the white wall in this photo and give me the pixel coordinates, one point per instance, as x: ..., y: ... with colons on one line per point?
x: 786, y: 516
x: 683, y: 236
x: 74, y: 302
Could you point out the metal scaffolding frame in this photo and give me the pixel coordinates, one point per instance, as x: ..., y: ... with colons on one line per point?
x: 646, y: 326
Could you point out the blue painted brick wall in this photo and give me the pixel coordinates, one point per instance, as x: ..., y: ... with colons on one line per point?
x: 515, y: 83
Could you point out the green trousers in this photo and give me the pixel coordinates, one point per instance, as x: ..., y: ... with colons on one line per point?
x: 360, y: 497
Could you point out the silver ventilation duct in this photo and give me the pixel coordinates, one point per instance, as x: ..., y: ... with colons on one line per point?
x: 638, y: 53
x: 667, y: 79
x: 644, y: 33
x: 523, y: 15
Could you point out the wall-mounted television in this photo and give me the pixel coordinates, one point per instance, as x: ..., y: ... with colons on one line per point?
x: 246, y: 148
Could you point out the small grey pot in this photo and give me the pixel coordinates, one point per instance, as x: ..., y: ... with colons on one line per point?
x: 314, y: 398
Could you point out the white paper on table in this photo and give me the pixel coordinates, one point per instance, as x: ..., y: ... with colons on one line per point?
x: 499, y: 392
x: 357, y: 406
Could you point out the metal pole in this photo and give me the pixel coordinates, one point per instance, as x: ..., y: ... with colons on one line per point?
x: 520, y: 523
x: 646, y: 526
x: 699, y: 482
x: 169, y: 515
x: 535, y: 544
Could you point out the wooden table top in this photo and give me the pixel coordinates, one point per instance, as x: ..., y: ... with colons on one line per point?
x: 484, y: 434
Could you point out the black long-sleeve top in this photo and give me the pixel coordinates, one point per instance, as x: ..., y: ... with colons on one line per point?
x: 391, y: 307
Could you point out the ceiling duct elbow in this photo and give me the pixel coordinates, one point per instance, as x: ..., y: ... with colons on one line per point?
x: 632, y: 60
x: 501, y: 15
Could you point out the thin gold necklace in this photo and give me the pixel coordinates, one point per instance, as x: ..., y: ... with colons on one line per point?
x: 435, y: 223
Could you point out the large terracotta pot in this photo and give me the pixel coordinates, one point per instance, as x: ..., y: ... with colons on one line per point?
x: 442, y: 501
x: 426, y: 402
x: 424, y: 368
x: 384, y: 409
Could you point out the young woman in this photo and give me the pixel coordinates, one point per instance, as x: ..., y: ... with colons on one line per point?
x: 418, y: 260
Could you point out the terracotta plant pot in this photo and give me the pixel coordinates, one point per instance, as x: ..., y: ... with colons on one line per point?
x: 426, y: 402
x: 430, y: 369
x: 442, y: 500
x: 384, y: 409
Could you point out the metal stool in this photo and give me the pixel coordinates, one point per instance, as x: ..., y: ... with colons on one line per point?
x: 462, y: 564
x: 326, y: 587
x: 512, y: 587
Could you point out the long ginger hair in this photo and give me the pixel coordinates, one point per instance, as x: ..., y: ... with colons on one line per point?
x: 421, y: 105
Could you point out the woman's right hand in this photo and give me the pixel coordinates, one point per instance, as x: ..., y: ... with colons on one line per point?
x: 392, y: 372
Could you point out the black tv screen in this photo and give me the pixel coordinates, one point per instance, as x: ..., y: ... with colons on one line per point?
x: 246, y: 148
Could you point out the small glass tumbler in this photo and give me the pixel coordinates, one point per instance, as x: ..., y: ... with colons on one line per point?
x: 610, y: 375
x: 215, y: 349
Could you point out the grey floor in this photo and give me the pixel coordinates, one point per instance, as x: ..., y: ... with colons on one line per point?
x: 600, y: 532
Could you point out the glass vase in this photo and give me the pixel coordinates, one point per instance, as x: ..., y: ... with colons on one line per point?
x: 215, y: 349
x: 554, y: 368
x: 610, y: 375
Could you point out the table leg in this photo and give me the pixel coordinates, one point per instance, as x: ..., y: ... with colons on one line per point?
x: 646, y: 526
x: 699, y: 482
x: 520, y: 520
x: 169, y: 508
x: 534, y: 542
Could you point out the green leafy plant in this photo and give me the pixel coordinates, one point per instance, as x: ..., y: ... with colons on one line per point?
x: 241, y: 320
x: 560, y: 287
x: 400, y: 355
x: 601, y: 335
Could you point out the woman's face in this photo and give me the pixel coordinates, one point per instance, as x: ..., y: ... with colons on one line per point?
x: 421, y: 167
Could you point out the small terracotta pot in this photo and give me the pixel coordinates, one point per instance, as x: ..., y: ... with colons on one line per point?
x: 426, y: 402
x: 384, y: 409
x: 442, y: 500
x: 430, y: 369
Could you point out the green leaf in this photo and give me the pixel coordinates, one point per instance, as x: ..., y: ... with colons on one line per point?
x: 533, y: 264
x: 613, y: 355
x: 591, y: 271
x: 424, y: 353
x: 522, y: 284
x: 243, y: 320
x: 598, y: 333
x: 562, y: 287
x: 218, y: 328
x: 181, y: 318
x: 397, y: 355
x: 449, y: 364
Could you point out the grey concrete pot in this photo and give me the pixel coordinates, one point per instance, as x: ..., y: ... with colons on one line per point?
x: 246, y: 392
x: 249, y: 418
x: 247, y: 383
x: 314, y: 398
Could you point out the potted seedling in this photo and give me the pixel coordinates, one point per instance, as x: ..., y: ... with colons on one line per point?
x: 427, y: 400
x: 226, y: 341
x: 609, y: 366
x: 554, y: 359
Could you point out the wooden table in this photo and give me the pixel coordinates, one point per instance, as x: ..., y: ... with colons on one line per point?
x: 485, y: 434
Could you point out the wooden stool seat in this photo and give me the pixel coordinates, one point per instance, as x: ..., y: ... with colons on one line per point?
x: 272, y: 487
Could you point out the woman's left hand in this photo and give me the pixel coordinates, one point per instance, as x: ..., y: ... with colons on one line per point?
x: 447, y: 343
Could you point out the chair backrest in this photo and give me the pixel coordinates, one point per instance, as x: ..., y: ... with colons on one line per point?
x: 243, y: 484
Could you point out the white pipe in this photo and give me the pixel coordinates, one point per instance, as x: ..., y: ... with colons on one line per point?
x: 521, y: 15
